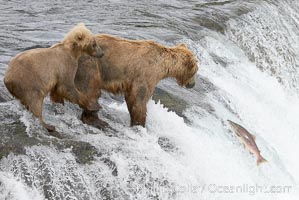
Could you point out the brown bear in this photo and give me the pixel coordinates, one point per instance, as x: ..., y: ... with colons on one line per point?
x: 31, y: 75
x: 132, y: 68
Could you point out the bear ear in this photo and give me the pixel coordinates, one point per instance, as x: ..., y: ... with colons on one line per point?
x: 80, y: 36
x: 81, y: 24
x: 183, y: 45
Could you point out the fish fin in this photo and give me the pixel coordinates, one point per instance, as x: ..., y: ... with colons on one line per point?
x: 260, y: 160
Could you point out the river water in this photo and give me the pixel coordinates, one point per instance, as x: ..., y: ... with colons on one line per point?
x: 248, y: 53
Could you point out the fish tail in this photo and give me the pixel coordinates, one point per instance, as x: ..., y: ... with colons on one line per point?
x: 260, y: 160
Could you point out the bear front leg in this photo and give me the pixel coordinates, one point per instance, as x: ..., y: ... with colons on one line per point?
x: 73, y: 95
x: 136, y: 101
x: 138, y: 114
x: 91, y: 118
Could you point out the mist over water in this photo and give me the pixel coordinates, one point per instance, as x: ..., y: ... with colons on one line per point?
x: 248, y: 73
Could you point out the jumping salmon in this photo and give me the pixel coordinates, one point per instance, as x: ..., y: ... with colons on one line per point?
x: 248, y: 140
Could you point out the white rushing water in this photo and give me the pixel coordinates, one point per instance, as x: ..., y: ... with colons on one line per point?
x: 253, y: 74
x: 14, y: 190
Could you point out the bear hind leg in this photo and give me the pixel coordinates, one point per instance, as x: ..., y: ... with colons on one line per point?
x: 56, y: 97
x: 36, y: 106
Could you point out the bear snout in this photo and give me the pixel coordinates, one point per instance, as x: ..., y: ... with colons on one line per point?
x: 191, y: 84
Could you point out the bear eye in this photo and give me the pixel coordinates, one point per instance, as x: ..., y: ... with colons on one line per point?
x: 94, y: 45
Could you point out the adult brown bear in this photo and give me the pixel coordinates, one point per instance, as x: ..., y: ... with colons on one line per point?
x: 132, y: 68
x: 32, y: 74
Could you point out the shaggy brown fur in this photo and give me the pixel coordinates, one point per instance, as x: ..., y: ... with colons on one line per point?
x: 31, y: 75
x: 132, y: 68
